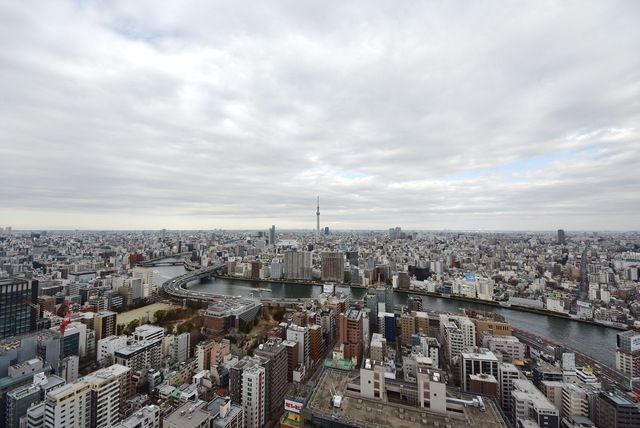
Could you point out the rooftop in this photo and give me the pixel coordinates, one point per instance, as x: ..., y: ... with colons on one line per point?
x: 358, y: 411
x: 189, y: 415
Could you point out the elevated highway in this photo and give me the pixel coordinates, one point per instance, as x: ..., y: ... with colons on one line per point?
x: 177, y: 288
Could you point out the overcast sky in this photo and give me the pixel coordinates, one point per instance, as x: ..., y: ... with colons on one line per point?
x: 424, y: 115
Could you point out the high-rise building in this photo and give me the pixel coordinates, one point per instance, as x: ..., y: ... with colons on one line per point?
x: 628, y: 353
x: 68, y: 406
x: 297, y: 264
x: 105, y: 323
x: 254, y: 396
x: 407, y: 328
x: 18, y: 402
x: 507, y: 373
x: 350, y: 326
x: 276, y: 384
x: 110, y: 388
x: 292, y: 357
x: 272, y: 235
x: 616, y: 411
x: 300, y: 335
x: 141, y: 355
x: 561, y: 237
x: 333, y: 267
x: 18, y: 306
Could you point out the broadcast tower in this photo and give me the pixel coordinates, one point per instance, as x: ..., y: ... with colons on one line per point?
x: 318, y: 218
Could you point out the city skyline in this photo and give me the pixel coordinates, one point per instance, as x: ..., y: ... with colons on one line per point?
x: 146, y: 116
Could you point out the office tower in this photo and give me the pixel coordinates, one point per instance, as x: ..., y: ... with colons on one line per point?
x: 105, y: 323
x: 616, y: 411
x: 18, y: 306
x: 148, y: 332
x: 561, y: 237
x: 481, y: 361
x: 272, y: 235
x: 18, y: 402
x: 333, y: 267
x: 300, y: 335
x: 350, y: 326
x: 254, y: 396
x: 68, y: 406
x: 528, y: 405
x: 276, y: 385
x: 318, y: 218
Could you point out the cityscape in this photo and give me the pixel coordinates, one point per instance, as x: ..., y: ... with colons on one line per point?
x: 286, y: 214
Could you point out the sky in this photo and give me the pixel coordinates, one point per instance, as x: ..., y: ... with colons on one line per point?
x: 489, y: 115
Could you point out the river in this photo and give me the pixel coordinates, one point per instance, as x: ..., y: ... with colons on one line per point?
x: 596, y: 341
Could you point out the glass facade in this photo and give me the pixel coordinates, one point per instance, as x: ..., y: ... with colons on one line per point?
x: 17, y: 315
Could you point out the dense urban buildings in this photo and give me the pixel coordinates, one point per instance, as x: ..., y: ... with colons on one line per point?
x: 306, y: 322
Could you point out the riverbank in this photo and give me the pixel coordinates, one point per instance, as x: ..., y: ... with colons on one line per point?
x: 280, y: 281
x: 519, y: 308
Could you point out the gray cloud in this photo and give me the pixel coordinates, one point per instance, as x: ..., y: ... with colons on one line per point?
x: 426, y: 115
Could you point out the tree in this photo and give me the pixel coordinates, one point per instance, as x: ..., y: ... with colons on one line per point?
x: 160, y: 315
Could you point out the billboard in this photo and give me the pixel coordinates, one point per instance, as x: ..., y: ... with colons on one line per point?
x: 293, y: 406
x: 470, y: 276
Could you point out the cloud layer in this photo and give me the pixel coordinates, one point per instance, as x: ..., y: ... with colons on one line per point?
x: 427, y: 115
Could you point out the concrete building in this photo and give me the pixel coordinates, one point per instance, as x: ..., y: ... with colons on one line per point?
x: 68, y: 406
x: 254, y: 396
x: 480, y: 361
x: 146, y: 417
x: 189, y: 415
x: 226, y: 414
x: 110, y: 388
x: 508, y: 346
x: 140, y: 356
x: 300, y: 335
x: 616, y: 411
x: 350, y: 325
x: 276, y: 383
x: 108, y: 346
x: 148, y: 332
x: 529, y: 404
x: 507, y: 373
x: 332, y: 267
x: 105, y: 323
